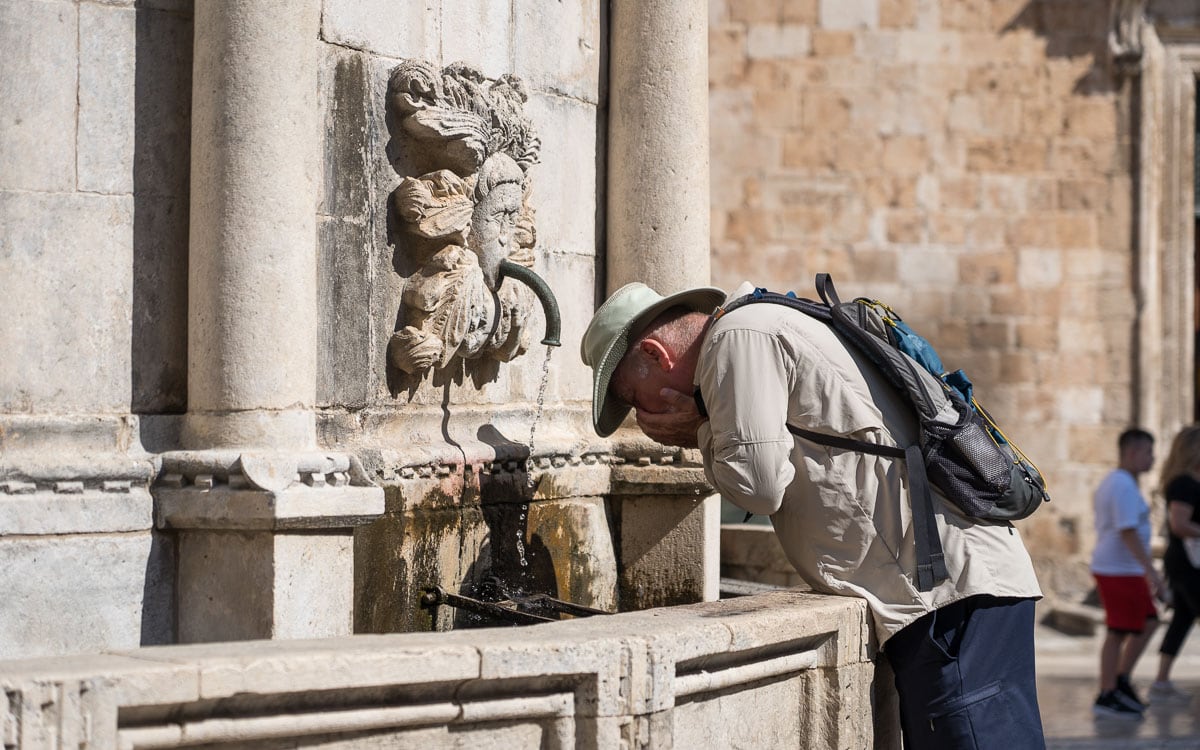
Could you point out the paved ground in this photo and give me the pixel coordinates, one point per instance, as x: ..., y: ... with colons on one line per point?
x: 1067, y: 685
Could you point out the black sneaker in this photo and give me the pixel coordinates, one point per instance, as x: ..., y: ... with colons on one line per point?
x: 1125, y: 692
x: 1110, y: 706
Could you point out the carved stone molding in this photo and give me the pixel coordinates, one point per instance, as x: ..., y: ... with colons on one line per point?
x: 272, y: 491
x: 1126, y: 18
x: 463, y: 219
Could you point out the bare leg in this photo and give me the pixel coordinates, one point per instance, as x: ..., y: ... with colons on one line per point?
x: 1133, y: 648
x: 1108, y: 659
x: 1165, y: 661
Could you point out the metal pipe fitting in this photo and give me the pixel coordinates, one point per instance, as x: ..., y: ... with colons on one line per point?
x: 542, y: 290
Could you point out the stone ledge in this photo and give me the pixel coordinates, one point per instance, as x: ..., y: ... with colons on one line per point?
x: 81, y: 510
x: 295, y: 508
x: 626, y: 668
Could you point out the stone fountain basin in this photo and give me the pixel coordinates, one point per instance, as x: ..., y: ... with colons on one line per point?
x: 735, y: 672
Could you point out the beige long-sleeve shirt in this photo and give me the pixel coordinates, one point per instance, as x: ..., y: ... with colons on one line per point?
x: 843, y: 517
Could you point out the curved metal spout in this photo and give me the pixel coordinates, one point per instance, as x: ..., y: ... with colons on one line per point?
x: 544, y: 295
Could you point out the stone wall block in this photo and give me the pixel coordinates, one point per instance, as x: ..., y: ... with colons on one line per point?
x: 107, y: 55
x: 1039, y: 269
x: 38, y: 84
x: 90, y: 511
x: 478, y: 32
x: 557, y: 48
x: 314, y: 594
x: 897, y: 14
x: 661, y: 551
x: 387, y: 28
x: 75, y: 594
x: 163, y: 100
x: 352, y: 141
x: 849, y: 14
x: 572, y: 279
x: 344, y: 374
x: 567, y: 184
x: 770, y: 41
x: 68, y: 260
x: 742, y: 723
x: 273, y: 666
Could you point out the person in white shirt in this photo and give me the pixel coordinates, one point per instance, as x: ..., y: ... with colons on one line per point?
x: 1126, y: 578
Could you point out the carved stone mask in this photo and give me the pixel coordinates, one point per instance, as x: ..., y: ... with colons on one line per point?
x: 494, y: 219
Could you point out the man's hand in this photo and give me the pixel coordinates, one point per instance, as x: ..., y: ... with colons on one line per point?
x: 675, y: 426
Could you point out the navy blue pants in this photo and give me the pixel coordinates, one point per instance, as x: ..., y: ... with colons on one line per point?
x: 965, y: 677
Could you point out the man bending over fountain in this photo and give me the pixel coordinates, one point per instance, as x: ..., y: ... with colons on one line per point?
x: 962, y: 652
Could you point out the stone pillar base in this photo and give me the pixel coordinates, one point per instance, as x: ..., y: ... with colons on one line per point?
x: 265, y: 542
x: 670, y: 528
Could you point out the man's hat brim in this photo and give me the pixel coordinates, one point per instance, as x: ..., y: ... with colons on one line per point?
x: 618, y: 321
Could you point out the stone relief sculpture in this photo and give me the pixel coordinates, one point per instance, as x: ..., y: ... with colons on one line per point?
x: 470, y: 221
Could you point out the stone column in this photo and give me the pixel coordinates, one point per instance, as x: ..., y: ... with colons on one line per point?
x: 658, y: 211
x: 658, y: 233
x: 264, y: 519
x: 252, y: 252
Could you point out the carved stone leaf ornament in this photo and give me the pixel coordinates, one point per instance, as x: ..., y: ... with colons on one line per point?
x: 476, y: 205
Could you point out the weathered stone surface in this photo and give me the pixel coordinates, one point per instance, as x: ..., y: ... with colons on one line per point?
x: 314, y: 585
x: 346, y: 244
x: 38, y: 84
x: 478, y: 32
x: 240, y: 585
x: 91, y: 510
x: 662, y: 552
x: 489, y: 686
x: 565, y: 199
x: 76, y: 250
x: 77, y: 594
x: 695, y: 725
x: 577, y: 538
x: 107, y: 62
x: 558, y: 47
x: 850, y: 14
x: 390, y: 29
x: 159, y: 296
x: 344, y: 375
x: 751, y: 552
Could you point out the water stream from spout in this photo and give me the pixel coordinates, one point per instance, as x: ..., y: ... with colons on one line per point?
x: 530, y: 480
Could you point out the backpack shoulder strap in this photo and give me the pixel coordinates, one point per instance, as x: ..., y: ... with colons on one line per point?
x: 808, y: 307
x: 931, y: 560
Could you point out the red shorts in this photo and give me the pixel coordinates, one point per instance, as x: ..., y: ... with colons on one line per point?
x: 1127, y: 602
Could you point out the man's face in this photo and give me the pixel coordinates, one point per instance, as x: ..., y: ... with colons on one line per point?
x: 1143, y: 454
x: 639, y: 383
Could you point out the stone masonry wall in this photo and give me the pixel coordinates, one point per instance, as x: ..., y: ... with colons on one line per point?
x: 93, y: 304
x: 966, y: 161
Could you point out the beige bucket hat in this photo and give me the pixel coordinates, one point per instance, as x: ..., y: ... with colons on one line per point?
x: 619, y: 320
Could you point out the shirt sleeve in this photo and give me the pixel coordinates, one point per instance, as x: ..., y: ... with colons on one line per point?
x: 745, y: 380
x: 1127, y: 510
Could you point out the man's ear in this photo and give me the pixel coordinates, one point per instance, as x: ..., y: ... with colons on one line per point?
x: 658, y: 353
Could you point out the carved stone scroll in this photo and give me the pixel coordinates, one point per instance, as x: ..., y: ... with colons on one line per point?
x: 1125, y: 35
x: 465, y: 217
